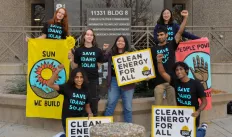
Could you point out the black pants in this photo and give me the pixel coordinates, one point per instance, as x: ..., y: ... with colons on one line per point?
x: 198, y: 121
x: 94, y: 95
x: 63, y: 120
x: 64, y: 124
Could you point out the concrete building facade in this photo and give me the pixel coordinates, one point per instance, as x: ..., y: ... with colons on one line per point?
x: 202, y: 12
x: 17, y: 15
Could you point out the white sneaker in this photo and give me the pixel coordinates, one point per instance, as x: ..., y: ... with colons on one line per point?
x: 59, y: 134
x: 204, y: 125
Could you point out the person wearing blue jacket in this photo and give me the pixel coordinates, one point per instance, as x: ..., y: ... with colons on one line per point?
x: 166, y: 19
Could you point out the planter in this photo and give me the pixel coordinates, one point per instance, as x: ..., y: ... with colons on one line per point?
x: 13, y: 110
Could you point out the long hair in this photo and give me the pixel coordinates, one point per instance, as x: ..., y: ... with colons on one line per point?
x: 114, y: 49
x: 73, y: 75
x: 161, y: 19
x: 64, y: 21
x: 94, y: 42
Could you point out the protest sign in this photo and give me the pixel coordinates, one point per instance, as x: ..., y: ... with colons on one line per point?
x: 79, y: 127
x: 44, y: 56
x: 196, y: 53
x: 133, y: 67
x: 173, y: 121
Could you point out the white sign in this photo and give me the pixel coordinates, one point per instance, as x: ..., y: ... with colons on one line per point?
x: 79, y: 127
x: 173, y: 121
x: 133, y: 67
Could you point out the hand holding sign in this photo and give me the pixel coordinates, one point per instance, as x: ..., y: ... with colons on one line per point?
x: 27, y: 38
x: 147, y: 79
x: 90, y: 115
x: 196, y: 114
x: 71, y: 55
x: 200, y: 71
x: 60, y: 67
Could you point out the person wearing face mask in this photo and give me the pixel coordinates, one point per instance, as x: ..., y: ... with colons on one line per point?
x: 166, y: 19
x: 126, y: 92
x: 57, y: 27
x: 89, y: 57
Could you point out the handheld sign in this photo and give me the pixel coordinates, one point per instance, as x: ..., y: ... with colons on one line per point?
x: 173, y: 121
x: 133, y: 67
x: 196, y: 53
x: 79, y: 127
x: 43, y: 101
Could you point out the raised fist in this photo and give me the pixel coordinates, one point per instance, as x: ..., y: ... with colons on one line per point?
x: 60, y: 67
x: 184, y: 13
x: 106, y: 46
x: 159, y: 57
x: 70, y: 55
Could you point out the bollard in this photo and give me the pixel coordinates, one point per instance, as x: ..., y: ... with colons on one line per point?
x: 117, y: 129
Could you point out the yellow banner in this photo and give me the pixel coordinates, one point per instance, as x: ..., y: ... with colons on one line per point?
x: 44, y: 55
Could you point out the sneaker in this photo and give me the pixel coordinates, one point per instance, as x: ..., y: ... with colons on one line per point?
x: 59, y: 134
x: 204, y: 125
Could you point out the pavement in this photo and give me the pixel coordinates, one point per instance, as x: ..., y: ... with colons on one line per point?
x: 220, y: 128
x: 216, y: 128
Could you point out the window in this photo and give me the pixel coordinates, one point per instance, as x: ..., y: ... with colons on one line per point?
x: 176, y: 10
x: 37, y: 14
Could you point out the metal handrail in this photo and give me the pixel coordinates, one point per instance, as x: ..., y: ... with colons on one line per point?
x: 141, y: 37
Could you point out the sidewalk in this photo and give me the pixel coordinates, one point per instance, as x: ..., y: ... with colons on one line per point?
x: 220, y: 128
x: 217, y: 128
x: 15, y: 130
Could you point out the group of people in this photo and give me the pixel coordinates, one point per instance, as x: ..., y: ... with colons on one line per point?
x: 86, y: 59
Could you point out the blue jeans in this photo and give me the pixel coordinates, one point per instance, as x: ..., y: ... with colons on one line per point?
x: 200, y: 132
x: 114, y: 93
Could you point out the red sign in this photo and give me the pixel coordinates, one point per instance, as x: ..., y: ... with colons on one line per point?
x: 196, y: 53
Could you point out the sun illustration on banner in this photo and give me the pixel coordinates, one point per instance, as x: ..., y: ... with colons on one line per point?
x: 40, y: 73
x: 44, y: 72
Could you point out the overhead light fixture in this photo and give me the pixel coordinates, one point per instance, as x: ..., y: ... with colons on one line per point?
x: 36, y: 19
